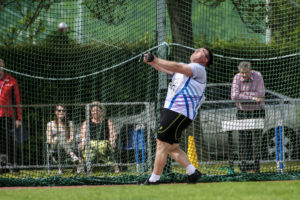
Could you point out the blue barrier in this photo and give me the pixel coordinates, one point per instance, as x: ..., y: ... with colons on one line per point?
x: 137, y: 143
x: 279, y: 149
x: 140, y: 144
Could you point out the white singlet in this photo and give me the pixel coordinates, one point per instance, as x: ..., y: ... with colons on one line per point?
x: 186, y: 94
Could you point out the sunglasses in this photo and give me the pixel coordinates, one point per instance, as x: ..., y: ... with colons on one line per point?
x: 60, y: 110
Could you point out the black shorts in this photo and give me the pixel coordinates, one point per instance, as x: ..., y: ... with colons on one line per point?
x: 171, y: 126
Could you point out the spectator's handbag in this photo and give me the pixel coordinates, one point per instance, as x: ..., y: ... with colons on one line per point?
x: 3, y: 162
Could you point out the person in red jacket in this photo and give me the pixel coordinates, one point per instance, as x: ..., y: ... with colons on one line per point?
x: 10, y: 116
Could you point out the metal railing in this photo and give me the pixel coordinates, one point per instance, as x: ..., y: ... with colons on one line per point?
x: 32, y: 150
x: 30, y: 143
x: 213, y: 143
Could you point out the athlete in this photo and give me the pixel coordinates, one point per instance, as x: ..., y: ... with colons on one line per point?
x: 184, y: 98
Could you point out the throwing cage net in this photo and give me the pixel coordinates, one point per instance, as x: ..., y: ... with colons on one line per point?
x: 94, y: 55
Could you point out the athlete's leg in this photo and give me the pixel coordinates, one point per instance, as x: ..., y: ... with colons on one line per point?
x: 162, y: 149
x: 179, y: 155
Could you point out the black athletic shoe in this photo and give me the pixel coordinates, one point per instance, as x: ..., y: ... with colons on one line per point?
x: 147, y: 182
x: 193, y: 178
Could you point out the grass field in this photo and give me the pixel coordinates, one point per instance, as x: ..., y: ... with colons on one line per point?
x: 279, y: 190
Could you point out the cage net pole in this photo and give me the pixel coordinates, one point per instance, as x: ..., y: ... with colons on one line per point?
x: 162, y: 53
x: 88, y: 141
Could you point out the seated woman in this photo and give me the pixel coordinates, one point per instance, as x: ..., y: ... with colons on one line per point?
x: 60, y: 134
x: 102, y: 137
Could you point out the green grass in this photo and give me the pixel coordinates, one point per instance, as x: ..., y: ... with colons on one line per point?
x: 227, y: 190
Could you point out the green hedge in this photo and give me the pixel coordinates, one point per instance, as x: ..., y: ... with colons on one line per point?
x: 71, y: 60
x: 133, y: 81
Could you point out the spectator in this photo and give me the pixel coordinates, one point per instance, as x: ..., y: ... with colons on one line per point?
x: 10, y: 117
x: 249, y: 85
x: 60, y: 135
x: 102, y: 137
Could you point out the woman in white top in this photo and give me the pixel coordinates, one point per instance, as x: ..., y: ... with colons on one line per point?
x: 60, y: 134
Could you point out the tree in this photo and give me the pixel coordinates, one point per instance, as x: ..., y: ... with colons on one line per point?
x: 109, y: 11
x: 29, y: 21
x: 251, y: 12
x: 180, y: 12
x: 284, y: 21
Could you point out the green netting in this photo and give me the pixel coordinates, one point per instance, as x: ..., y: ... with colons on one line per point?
x: 97, y: 59
x: 167, y: 178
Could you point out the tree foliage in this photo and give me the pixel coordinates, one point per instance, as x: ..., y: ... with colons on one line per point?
x: 108, y: 11
x: 282, y: 17
x: 284, y: 21
x: 29, y: 21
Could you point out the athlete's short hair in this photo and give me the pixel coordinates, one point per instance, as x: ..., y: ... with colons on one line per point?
x: 210, y: 57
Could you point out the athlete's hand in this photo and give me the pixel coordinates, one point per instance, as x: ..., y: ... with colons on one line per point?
x: 148, y: 57
x: 18, y: 123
